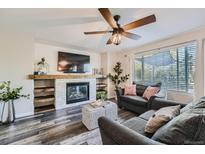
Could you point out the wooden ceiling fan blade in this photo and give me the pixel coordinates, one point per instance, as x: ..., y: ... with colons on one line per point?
x: 105, y: 12
x: 109, y: 41
x: 97, y: 32
x: 131, y: 35
x: 141, y: 22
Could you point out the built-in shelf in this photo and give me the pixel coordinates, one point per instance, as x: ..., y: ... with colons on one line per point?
x: 44, y: 87
x: 38, y: 92
x: 101, y: 84
x: 44, y: 94
x: 101, y: 77
x: 39, y: 102
x: 44, y: 109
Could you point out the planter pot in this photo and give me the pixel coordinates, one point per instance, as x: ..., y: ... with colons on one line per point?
x: 116, y: 94
x: 8, y: 112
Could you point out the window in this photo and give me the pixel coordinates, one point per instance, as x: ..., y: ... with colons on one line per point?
x: 174, y: 67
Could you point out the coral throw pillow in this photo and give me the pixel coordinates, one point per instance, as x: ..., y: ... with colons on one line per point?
x: 130, y: 90
x: 150, y: 91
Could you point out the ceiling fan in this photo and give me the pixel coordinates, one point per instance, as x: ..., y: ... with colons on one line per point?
x: 118, y: 30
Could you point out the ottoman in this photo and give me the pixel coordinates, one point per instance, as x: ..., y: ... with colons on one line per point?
x: 91, y: 114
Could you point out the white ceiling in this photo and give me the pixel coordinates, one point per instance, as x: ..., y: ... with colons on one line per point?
x: 66, y: 26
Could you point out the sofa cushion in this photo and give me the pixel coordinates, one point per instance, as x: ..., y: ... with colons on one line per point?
x: 140, y: 89
x: 156, y: 85
x: 134, y: 100
x: 137, y: 124
x: 147, y: 114
x: 161, y: 117
x: 187, y: 128
x: 199, y: 103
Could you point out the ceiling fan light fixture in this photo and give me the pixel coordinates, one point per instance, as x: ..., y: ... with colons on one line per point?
x: 116, y: 38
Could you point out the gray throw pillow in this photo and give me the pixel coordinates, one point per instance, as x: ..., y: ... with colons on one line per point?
x: 187, y: 128
x: 199, y: 103
x: 140, y: 89
x: 161, y: 117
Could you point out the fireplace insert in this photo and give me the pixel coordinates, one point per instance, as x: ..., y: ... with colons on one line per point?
x: 77, y: 92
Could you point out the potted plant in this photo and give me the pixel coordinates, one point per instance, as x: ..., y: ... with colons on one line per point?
x: 117, y: 78
x: 102, y: 95
x: 7, y: 97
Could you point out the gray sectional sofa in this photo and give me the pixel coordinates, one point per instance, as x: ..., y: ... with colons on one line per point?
x: 186, y: 128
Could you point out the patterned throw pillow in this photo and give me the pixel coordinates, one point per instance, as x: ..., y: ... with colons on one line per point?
x: 130, y: 90
x: 150, y: 91
x: 161, y: 117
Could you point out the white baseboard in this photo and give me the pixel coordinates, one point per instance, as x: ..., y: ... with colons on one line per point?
x: 24, y: 114
x: 74, y: 104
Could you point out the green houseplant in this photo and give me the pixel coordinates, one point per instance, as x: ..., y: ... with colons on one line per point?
x: 117, y: 78
x: 7, y: 97
x: 102, y: 95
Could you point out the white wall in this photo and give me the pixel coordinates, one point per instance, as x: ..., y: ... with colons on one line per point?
x: 126, y: 57
x: 108, y: 61
x: 50, y: 52
x: 16, y: 56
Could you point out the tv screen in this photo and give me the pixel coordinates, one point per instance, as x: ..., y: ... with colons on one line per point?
x: 73, y: 63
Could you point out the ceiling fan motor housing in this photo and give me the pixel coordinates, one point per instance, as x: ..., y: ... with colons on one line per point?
x: 117, y: 30
x: 117, y: 17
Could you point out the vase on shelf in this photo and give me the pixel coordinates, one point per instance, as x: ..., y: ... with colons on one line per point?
x: 42, y: 67
x: 8, y: 112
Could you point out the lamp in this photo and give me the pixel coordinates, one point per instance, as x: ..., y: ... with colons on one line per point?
x: 116, y: 38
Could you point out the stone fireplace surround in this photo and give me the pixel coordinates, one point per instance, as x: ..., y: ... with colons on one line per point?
x: 60, y: 91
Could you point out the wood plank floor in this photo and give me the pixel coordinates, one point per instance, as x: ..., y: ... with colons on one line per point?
x: 54, y: 127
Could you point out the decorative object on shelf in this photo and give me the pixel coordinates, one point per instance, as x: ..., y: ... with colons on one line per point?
x: 42, y: 67
x: 117, y: 78
x: 35, y: 73
x: 7, y: 96
x: 101, y: 71
x: 97, y: 71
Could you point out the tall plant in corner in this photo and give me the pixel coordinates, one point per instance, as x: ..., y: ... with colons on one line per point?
x: 117, y: 78
x: 7, y: 96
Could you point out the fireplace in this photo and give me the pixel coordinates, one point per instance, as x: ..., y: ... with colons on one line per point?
x: 77, y: 92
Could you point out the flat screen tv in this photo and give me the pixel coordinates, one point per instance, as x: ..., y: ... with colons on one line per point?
x: 73, y: 63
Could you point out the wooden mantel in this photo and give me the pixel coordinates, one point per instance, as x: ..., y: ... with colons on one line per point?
x: 62, y: 76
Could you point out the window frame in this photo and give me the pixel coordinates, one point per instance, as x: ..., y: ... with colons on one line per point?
x: 169, y: 48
